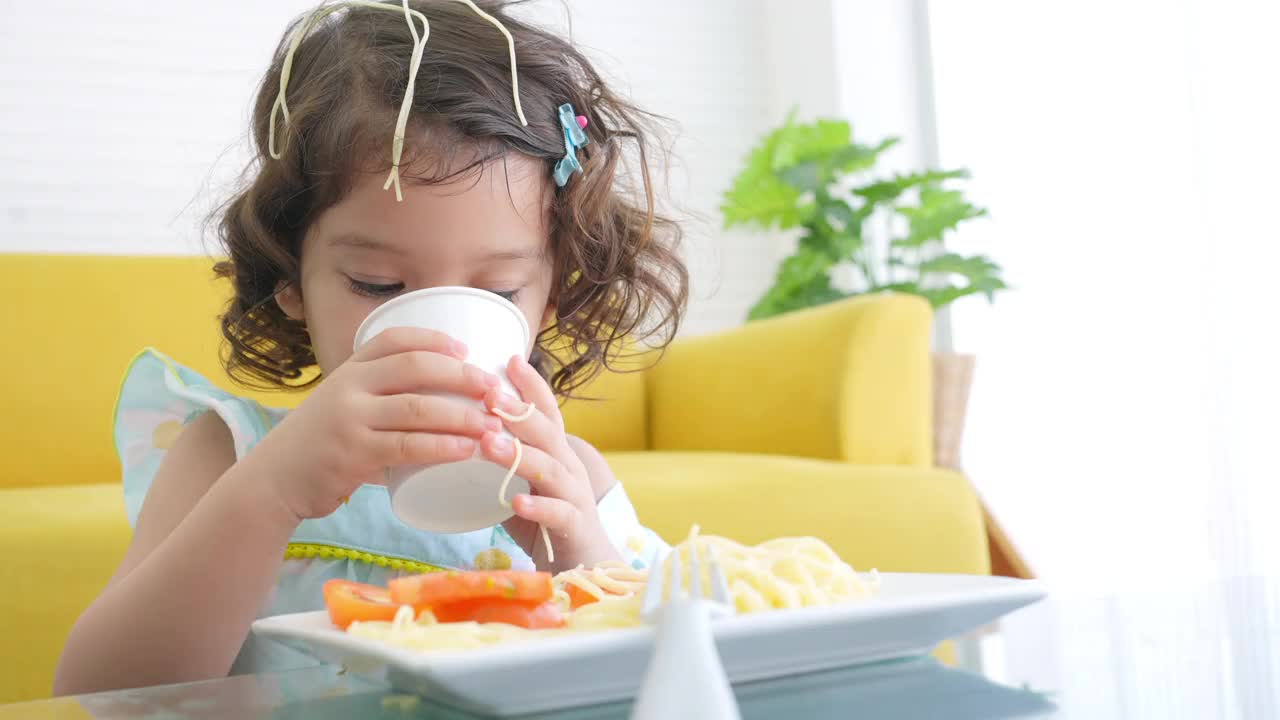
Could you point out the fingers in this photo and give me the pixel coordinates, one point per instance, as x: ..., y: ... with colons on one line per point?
x: 430, y: 413
x: 541, y: 428
x: 551, y: 513
x: 398, y: 447
x: 546, y: 475
x: 534, y: 429
x: 398, y: 340
x: 533, y: 388
x: 423, y: 371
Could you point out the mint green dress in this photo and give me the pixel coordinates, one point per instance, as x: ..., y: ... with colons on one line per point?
x: 361, y: 541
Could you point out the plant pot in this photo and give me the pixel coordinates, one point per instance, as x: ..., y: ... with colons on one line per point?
x: 952, y: 377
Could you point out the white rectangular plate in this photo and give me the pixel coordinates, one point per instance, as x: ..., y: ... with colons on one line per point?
x: 911, y: 614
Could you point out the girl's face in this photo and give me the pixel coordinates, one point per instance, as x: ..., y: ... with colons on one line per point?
x: 489, y: 233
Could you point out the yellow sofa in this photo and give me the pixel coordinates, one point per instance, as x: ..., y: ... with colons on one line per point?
x: 815, y: 423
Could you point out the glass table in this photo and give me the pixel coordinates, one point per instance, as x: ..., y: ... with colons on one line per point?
x: 1203, y: 651
x: 918, y: 688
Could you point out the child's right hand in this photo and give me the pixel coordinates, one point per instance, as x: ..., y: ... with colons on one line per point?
x: 370, y: 414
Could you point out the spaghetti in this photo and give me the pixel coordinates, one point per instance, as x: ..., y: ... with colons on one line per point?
x: 782, y: 573
x: 426, y: 634
x: 777, y: 574
x: 511, y: 472
x: 604, y: 580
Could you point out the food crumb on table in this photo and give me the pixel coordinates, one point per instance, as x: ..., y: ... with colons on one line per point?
x: 403, y: 703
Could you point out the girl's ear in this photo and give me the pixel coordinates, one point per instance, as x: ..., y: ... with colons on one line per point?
x: 290, y: 300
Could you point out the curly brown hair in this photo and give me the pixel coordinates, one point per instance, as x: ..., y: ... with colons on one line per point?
x: 618, y: 275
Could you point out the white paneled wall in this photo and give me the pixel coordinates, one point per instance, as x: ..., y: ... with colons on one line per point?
x: 122, y: 121
x: 123, y: 124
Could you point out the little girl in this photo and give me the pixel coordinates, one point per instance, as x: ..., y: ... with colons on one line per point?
x: 399, y: 146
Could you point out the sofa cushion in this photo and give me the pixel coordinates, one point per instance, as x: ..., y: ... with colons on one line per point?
x: 76, y: 322
x: 61, y: 545
x: 611, y: 412
x: 893, y: 518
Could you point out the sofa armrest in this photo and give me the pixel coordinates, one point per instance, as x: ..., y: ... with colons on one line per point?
x: 848, y: 381
x: 895, y: 519
x: 61, y: 545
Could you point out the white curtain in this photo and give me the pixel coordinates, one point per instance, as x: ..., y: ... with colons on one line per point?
x: 1124, y: 420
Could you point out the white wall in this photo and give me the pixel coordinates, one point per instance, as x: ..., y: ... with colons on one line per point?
x: 885, y: 80
x: 118, y: 116
x: 124, y: 123
x: 883, y: 77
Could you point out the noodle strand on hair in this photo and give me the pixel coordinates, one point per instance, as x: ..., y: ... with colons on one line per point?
x: 511, y: 52
x: 281, y: 106
x: 402, y: 120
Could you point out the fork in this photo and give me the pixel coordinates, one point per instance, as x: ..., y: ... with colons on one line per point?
x: 685, y: 678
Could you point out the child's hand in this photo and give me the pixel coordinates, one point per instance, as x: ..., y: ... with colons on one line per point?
x: 370, y: 414
x: 562, y: 498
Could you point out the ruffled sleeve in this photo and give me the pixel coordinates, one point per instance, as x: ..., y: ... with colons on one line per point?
x: 158, y: 398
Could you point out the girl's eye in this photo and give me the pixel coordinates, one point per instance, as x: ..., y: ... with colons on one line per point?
x: 508, y: 295
x: 374, y: 289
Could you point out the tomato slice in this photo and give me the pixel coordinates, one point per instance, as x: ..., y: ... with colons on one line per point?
x: 439, y: 588
x: 349, y: 601
x: 535, y: 616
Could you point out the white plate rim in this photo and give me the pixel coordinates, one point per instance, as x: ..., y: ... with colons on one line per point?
x: 301, y: 626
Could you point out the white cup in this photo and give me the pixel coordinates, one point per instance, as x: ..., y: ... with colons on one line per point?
x: 459, y: 496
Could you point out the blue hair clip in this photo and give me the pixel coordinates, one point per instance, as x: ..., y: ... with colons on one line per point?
x: 574, y: 137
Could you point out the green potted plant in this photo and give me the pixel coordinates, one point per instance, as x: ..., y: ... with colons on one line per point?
x: 861, y: 232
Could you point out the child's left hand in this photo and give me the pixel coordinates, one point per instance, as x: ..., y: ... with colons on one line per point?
x: 562, y: 497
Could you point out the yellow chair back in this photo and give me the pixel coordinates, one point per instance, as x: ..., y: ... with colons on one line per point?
x: 73, y: 322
